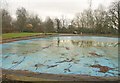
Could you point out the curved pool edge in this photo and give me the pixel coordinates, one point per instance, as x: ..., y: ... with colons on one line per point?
x: 43, y: 36
x: 22, y: 75
x: 24, y: 38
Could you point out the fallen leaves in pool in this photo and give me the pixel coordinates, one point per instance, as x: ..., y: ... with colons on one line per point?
x: 67, y: 48
x: 103, y: 69
x: 62, y: 54
x: 17, y: 63
x: 14, y: 62
x: 38, y: 65
x: 67, y: 69
x: 30, y: 51
x: 46, y: 47
x: 69, y: 60
x: 41, y: 65
x: 6, y: 57
x: 51, y: 66
x: 95, y: 54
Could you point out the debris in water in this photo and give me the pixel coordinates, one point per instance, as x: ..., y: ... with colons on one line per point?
x: 95, y: 54
x: 76, y: 61
x: 68, y: 69
x: 67, y: 48
x: 6, y: 57
x: 38, y: 65
x: 17, y: 63
x: 103, y: 69
x: 14, y: 62
x: 62, y: 54
x: 67, y: 60
x: 65, y: 70
x: 46, y: 47
x: 51, y: 66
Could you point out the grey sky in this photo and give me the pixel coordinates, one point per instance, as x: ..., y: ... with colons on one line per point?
x: 54, y: 8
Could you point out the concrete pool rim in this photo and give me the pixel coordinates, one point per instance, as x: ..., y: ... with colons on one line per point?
x: 34, y: 76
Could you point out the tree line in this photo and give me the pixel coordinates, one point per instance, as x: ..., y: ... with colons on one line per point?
x: 97, y: 21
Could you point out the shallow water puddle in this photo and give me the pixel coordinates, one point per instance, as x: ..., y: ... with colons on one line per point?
x: 95, y: 56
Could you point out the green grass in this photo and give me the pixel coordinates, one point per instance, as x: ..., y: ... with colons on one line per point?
x: 23, y: 34
x: 14, y: 35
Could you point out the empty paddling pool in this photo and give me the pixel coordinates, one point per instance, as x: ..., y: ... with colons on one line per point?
x: 94, y: 56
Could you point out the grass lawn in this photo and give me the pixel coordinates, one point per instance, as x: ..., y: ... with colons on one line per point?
x: 23, y: 34
x: 14, y: 35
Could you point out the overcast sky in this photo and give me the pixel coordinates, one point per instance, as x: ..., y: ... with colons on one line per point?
x: 54, y: 8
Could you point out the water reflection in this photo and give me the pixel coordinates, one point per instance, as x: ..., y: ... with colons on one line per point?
x: 87, y: 43
x: 82, y: 43
x: 58, y: 41
x: 36, y: 46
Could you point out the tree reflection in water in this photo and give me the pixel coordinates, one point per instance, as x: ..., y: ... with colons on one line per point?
x: 87, y: 43
x: 58, y: 41
x: 90, y: 43
x: 82, y: 43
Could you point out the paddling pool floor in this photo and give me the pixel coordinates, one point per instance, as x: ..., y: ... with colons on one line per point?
x: 94, y: 56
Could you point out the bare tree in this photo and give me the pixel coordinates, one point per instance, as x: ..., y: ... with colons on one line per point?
x: 118, y: 14
x: 49, y: 25
x: 101, y: 22
x: 114, y: 13
x: 21, y: 18
x: 36, y: 23
x: 58, y: 24
x: 6, y: 21
x: 78, y: 20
